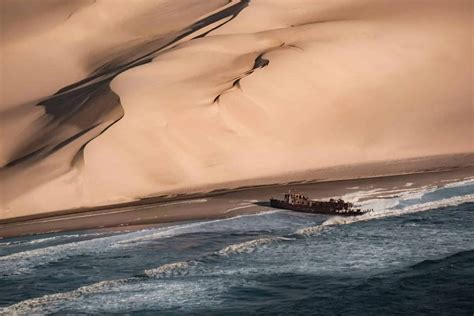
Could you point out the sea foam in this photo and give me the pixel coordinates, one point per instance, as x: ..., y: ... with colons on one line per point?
x: 339, y: 220
x: 172, y: 269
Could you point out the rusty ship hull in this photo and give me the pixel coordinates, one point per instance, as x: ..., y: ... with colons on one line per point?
x: 317, y: 207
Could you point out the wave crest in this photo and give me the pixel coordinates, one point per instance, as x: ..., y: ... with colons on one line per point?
x: 52, y: 303
x: 338, y: 220
x: 181, y: 268
x: 250, y: 246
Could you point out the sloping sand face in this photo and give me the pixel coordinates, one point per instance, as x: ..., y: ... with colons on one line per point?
x: 179, y: 95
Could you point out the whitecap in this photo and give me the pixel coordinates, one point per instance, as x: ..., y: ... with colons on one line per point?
x: 51, y: 303
x: 251, y: 245
x: 172, y: 269
x: 24, y: 262
x: 181, y: 229
x: 467, y: 181
x: 338, y: 220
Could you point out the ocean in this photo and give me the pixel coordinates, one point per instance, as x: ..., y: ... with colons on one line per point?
x: 414, y: 254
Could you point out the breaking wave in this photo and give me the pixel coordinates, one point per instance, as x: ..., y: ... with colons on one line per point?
x: 468, y: 181
x: 247, y: 246
x: 187, y: 228
x: 338, y: 220
x: 172, y: 269
x: 51, y: 303
x: 24, y: 262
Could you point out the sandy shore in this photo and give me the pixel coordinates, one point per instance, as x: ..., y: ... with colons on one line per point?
x: 243, y: 199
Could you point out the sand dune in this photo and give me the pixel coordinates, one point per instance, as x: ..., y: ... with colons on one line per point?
x: 107, y: 101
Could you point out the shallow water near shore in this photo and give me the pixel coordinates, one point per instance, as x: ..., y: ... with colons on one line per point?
x: 414, y: 254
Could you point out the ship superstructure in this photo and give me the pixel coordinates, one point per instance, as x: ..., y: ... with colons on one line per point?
x: 300, y: 203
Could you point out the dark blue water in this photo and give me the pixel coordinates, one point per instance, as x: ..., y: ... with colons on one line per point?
x: 413, y: 255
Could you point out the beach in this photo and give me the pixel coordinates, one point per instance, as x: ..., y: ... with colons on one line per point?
x: 246, y: 199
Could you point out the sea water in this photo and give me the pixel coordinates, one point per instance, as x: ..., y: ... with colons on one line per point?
x: 414, y: 254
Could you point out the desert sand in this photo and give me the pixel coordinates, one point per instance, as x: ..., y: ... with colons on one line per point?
x: 111, y: 101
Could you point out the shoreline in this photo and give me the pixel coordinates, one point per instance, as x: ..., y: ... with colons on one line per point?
x: 368, y: 170
x: 215, y: 204
x: 163, y: 199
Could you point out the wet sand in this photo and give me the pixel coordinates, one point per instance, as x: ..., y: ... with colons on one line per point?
x: 215, y: 204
